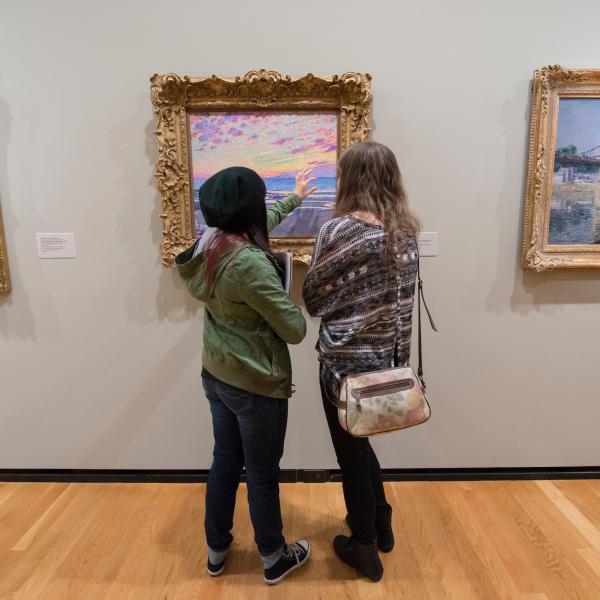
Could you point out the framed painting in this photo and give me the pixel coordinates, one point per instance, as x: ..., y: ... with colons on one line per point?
x: 4, y: 273
x: 263, y: 120
x: 562, y: 203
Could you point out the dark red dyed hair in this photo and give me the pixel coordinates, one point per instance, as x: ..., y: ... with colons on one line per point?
x: 216, y: 247
x: 257, y: 235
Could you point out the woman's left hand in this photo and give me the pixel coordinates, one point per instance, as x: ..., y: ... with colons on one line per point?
x: 303, y: 181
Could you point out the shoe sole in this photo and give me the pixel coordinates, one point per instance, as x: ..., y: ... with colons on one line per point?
x: 375, y: 578
x: 215, y: 573
x: 280, y: 579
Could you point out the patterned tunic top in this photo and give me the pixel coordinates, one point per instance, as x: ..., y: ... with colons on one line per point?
x: 365, y: 305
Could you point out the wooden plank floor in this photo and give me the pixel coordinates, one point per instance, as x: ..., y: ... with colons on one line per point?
x: 510, y: 540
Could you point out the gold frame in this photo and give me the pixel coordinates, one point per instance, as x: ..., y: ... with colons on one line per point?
x: 550, y: 84
x: 4, y: 272
x: 173, y: 96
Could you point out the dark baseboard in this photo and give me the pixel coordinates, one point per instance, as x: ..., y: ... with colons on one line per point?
x: 294, y: 475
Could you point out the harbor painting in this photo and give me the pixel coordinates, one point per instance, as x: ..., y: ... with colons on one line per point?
x: 276, y: 145
x: 575, y: 208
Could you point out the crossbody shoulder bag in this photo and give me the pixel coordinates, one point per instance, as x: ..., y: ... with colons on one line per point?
x: 389, y: 399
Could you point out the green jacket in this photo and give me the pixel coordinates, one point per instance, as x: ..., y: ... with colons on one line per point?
x: 248, y: 318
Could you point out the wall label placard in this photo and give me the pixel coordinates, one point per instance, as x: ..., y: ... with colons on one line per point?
x: 56, y: 245
x: 428, y: 243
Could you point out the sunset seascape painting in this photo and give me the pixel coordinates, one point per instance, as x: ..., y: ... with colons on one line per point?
x: 276, y: 145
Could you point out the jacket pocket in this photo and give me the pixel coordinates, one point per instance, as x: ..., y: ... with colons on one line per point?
x: 279, y: 348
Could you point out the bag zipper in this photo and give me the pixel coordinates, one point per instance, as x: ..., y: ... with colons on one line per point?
x: 370, y: 391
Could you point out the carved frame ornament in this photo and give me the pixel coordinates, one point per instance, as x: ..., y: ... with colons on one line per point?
x: 4, y: 273
x: 174, y: 96
x: 550, y: 84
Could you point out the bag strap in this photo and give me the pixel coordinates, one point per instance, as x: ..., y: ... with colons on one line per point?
x: 420, y: 300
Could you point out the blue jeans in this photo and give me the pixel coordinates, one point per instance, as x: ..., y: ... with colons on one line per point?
x: 249, y: 430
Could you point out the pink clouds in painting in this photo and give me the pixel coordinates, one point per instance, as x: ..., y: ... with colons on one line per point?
x: 274, y: 144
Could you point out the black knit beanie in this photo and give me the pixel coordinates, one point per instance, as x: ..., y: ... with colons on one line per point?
x: 233, y: 199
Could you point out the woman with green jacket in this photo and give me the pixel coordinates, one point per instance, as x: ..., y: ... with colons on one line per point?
x: 248, y: 322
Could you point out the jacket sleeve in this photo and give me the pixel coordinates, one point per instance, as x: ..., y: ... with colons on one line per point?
x: 263, y: 292
x: 321, y: 276
x: 277, y: 213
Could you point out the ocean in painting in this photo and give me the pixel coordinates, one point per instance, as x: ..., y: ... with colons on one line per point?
x: 575, y: 209
x: 306, y: 220
x: 277, y: 146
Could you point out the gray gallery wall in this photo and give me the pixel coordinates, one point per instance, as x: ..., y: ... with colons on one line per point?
x: 100, y: 356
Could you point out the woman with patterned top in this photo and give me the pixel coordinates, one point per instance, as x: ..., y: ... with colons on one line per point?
x: 361, y: 282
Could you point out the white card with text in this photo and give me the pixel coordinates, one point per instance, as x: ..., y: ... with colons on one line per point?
x: 56, y: 245
x: 428, y: 243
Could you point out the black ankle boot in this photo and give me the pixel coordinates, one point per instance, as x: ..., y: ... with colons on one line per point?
x: 363, y: 557
x: 383, y: 526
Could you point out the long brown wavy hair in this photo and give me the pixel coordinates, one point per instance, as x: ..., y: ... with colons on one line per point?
x: 369, y: 180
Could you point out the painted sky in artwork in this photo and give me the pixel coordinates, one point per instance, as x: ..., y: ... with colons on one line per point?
x: 274, y: 144
x: 578, y: 123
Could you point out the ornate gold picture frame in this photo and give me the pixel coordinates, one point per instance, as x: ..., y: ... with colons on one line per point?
x: 4, y: 273
x: 174, y: 98
x: 562, y: 203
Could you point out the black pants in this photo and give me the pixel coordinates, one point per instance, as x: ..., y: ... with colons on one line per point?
x: 361, y: 474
